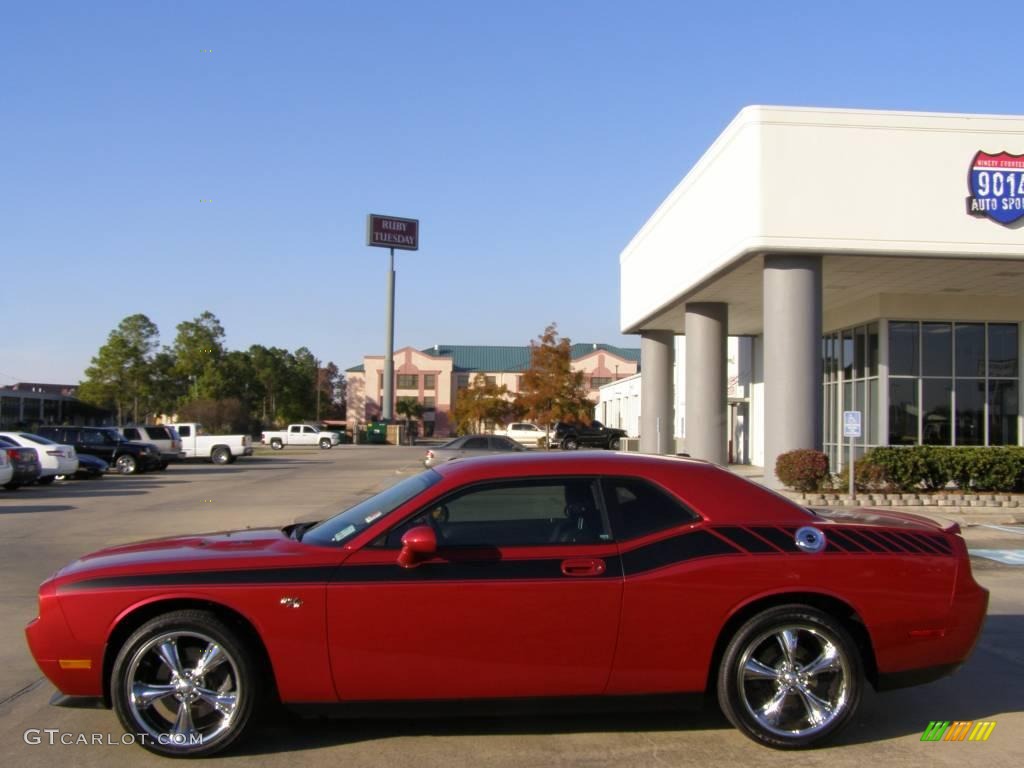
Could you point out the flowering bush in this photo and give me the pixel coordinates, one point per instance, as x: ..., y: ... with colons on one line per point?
x: 802, y: 469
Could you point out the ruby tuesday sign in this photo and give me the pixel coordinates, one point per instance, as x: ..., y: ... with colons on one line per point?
x: 392, y: 232
x: 996, y: 183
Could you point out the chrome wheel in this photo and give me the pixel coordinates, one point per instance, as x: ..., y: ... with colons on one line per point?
x: 126, y: 464
x: 183, y: 690
x: 793, y: 680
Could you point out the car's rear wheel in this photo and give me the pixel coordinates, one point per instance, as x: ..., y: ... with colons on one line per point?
x: 613, y: 444
x: 47, y: 480
x: 220, y: 455
x: 126, y: 464
x: 185, y: 683
x: 791, y: 677
x: 570, y: 444
x: 325, y: 443
x: 276, y: 444
x: 12, y: 486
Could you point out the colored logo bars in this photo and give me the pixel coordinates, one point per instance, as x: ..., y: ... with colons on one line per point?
x: 958, y: 730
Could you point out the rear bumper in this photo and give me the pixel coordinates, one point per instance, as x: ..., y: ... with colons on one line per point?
x: 247, y: 451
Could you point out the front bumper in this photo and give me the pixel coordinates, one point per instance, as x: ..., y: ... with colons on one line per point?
x: 75, y: 668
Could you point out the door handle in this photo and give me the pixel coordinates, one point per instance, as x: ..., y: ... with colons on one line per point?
x: 583, y: 566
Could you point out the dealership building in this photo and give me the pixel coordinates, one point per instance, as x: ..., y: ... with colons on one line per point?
x: 875, y: 262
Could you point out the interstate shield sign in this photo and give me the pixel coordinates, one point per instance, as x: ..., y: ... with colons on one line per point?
x: 997, y: 187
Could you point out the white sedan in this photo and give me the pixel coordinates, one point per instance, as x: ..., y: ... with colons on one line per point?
x: 6, y: 470
x: 54, y: 458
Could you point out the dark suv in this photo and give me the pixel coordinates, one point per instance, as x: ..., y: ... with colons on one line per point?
x: 108, y: 444
x: 593, y: 435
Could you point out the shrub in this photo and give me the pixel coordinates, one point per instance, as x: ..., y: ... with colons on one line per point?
x: 930, y: 467
x: 802, y: 470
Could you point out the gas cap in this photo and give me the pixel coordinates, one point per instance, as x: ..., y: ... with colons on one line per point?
x: 810, y: 539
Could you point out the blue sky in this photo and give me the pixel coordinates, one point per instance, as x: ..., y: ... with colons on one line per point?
x: 532, y: 139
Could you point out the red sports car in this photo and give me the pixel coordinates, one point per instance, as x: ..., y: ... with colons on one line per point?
x: 616, y: 579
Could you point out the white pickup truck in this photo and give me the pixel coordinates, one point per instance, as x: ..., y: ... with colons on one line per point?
x: 220, y: 449
x: 301, y: 434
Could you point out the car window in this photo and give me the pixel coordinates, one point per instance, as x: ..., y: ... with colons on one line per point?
x: 344, y: 526
x: 504, y: 444
x: 158, y: 433
x: 475, y: 444
x: 638, y: 508
x: 94, y: 438
x: 308, y: 430
x: 130, y: 433
x: 513, y: 513
x: 185, y: 431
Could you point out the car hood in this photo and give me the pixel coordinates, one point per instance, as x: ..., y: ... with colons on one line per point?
x: 228, y: 550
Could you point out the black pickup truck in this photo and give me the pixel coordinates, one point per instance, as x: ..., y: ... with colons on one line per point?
x: 593, y: 435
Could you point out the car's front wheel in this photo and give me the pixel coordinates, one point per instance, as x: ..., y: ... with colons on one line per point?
x: 185, y: 684
x: 614, y: 443
x: 570, y: 444
x: 325, y: 443
x: 790, y: 678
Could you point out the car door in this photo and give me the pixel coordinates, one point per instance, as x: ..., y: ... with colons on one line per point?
x: 521, y: 599
x: 673, y: 575
x: 309, y: 436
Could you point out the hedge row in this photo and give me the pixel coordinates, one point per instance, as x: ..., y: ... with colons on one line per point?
x: 927, y: 467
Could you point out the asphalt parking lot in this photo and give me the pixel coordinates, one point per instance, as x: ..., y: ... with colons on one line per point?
x: 43, y: 528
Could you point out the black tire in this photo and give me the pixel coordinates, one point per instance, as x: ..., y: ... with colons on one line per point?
x: 325, y: 443
x: 614, y: 443
x: 276, y: 444
x: 774, y: 675
x: 48, y: 480
x: 220, y: 455
x: 235, y: 680
x: 163, y: 466
x: 126, y: 464
x: 12, y: 486
x: 570, y: 444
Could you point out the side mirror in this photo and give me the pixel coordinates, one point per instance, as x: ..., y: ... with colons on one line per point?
x: 419, y: 543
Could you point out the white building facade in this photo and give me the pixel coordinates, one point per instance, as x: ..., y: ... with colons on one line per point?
x: 874, y: 261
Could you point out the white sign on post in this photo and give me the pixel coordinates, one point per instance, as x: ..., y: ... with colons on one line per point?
x: 851, y: 429
x: 851, y: 424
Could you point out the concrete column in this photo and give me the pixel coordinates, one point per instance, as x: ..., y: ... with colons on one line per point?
x: 657, y: 349
x: 707, y: 381
x: 792, y: 357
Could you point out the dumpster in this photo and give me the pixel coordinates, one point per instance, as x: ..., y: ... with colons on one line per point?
x: 377, y: 432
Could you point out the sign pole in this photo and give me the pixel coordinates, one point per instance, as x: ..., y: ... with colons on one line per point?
x: 853, y: 485
x: 388, y: 397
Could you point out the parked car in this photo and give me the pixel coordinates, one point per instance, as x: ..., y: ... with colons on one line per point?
x: 593, y: 435
x: 470, y: 445
x: 300, y: 434
x: 90, y: 467
x: 108, y: 444
x: 220, y: 449
x: 24, y: 462
x: 54, y: 458
x: 599, y: 576
x: 6, y: 471
x: 526, y: 434
x: 164, y: 437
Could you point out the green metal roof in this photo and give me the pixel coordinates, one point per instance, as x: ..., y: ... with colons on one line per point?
x: 507, y: 359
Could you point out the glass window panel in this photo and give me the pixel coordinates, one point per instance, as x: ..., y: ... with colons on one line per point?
x: 936, y: 349
x: 902, y: 412
x: 873, y: 350
x: 429, y: 380
x: 903, y: 349
x: 970, y: 349
x: 970, y: 412
x: 935, y: 410
x: 1003, y: 351
x: 848, y: 354
x: 860, y: 348
x: 859, y: 405
x: 847, y: 397
x: 1002, y: 412
x: 871, y: 417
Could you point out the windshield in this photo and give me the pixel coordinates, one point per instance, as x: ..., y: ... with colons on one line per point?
x: 342, y: 527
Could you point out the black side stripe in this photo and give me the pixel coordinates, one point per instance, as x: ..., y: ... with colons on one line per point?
x: 306, y: 575
x: 786, y: 541
x: 678, y: 549
x: 885, y: 541
x: 746, y: 540
x: 845, y: 541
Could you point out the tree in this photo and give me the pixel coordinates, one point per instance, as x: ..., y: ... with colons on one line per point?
x: 410, y: 408
x: 199, y: 349
x: 481, y: 402
x: 551, y: 391
x: 120, y: 373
